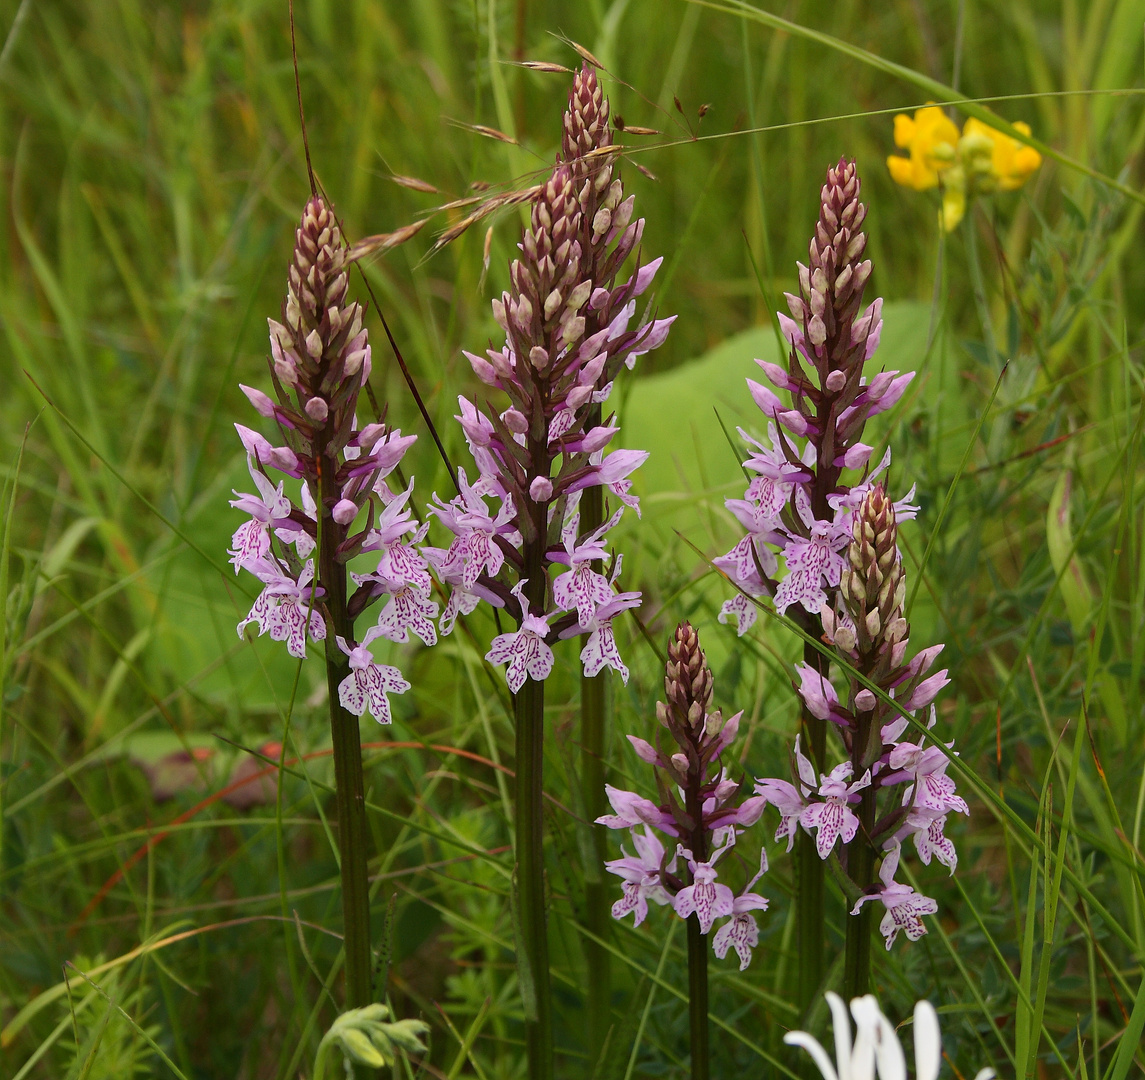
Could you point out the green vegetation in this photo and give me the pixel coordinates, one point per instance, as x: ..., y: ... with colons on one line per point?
x: 152, y: 174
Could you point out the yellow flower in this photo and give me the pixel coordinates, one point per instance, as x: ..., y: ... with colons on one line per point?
x: 1011, y: 163
x: 953, y: 198
x: 931, y: 139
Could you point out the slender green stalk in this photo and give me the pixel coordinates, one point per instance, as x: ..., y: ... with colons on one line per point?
x: 697, y: 950
x: 533, y: 941
x: 597, y: 919
x: 698, y: 998
x: 810, y: 876
x: 978, y: 287
x: 349, y: 783
x: 861, y: 870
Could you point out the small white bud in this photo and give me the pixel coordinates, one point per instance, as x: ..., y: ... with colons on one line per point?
x: 864, y: 700
x: 541, y: 489
x: 317, y: 410
x: 314, y: 344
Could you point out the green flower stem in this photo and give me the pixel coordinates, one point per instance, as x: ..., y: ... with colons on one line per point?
x: 810, y: 884
x: 350, y: 796
x: 861, y: 866
x: 597, y: 917
x: 698, y: 997
x: 697, y: 949
x: 533, y: 942
x: 978, y: 287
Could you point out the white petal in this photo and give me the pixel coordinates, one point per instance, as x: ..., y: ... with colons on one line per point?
x: 842, y: 1025
x: 927, y: 1042
x: 889, y: 1057
x: 811, y: 1045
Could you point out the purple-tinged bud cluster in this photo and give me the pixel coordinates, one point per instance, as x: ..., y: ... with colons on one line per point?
x: 870, y: 632
x: 697, y: 808
x: 568, y: 330
x: 797, y: 507
x: 320, y: 359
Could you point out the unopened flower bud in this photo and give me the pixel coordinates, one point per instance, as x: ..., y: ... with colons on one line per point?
x: 835, y: 381
x: 262, y: 404
x: 344, y: 512
x: 499, y: 315
x: 354, y: 362
x: 864, y: 700
x: 515, y: 421
x: 317, y: 409
x: 541, y: 489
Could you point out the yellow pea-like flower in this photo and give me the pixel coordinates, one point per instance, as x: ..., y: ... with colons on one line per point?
x: 1011, y: 163
x: 978, y: 161
x: 931, y: 140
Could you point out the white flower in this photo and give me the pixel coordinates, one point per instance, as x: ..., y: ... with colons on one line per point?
x: 876, y: 1050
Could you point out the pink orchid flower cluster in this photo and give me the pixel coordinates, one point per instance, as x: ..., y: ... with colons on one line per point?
x: 320, y: 359
x: 870, y: 634
x: 698, y: 809
x: 569, y: 329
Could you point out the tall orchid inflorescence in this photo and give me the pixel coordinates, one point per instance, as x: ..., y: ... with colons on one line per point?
x: 320, y: 360
x: 567, y: 327
x: 699, y: 810
x: 842, y: 576
x: 798, y: 507
x: 568, y: 331
x: 588, y: 149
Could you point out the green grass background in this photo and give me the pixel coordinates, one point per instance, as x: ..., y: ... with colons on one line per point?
x: 151, y: 174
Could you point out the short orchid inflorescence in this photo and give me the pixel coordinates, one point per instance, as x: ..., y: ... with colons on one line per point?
x: 568, y: 327
x: 870, y: 633
x: 698, y: 810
